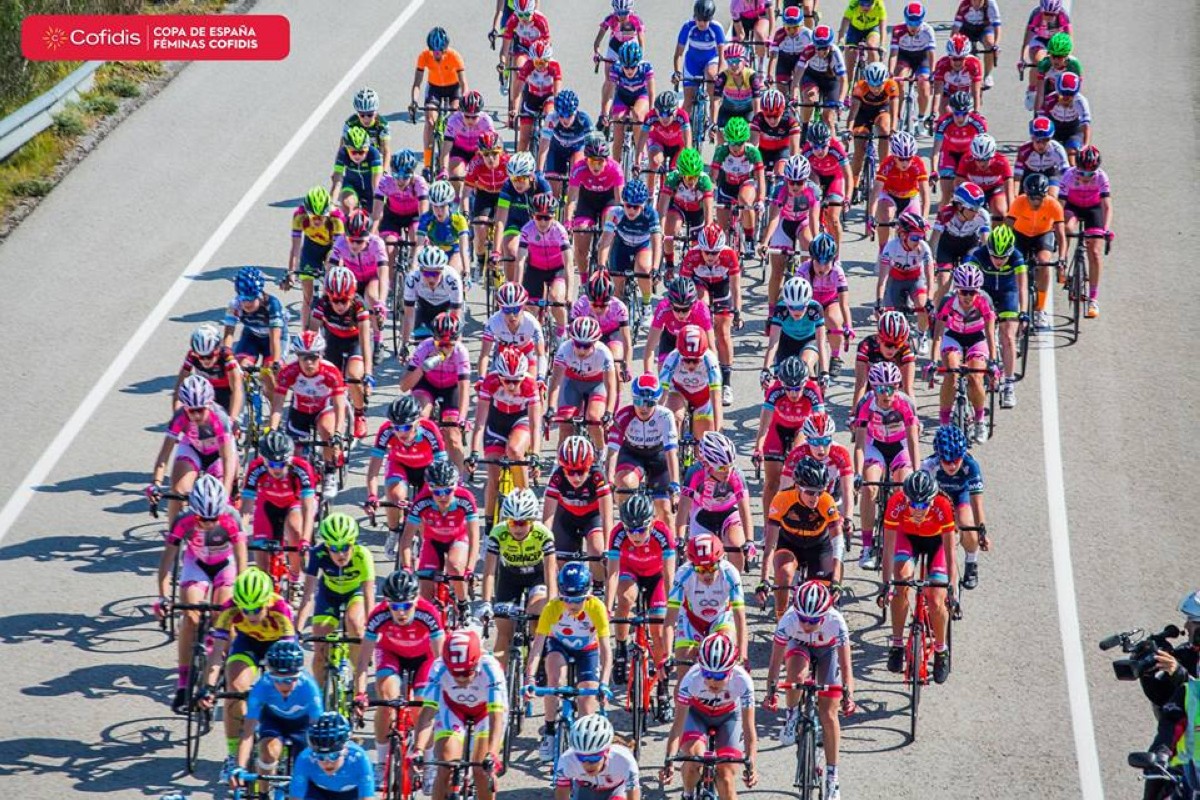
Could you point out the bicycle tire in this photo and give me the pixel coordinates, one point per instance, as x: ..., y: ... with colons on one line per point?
x: 1078, y: 266
x: 171, y: 618
x: 516, y: 703
x: 637, y: 685
x: 397, y: 305
x: 197, y: 726
x: 916, y: 654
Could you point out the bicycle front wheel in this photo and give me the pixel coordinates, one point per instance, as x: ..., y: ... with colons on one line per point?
x: 916, y: 655
x: 637, y: 705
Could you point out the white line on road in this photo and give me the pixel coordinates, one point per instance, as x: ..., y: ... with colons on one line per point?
x: 66, y: 435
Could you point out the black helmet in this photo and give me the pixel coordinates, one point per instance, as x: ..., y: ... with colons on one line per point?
x: 637, y: 512
x: 960, y: 101
x: 704, y: 9
x: 401, y: 585
x: 441, y: 473
x: 792, y: 371
x: 919, y: 487
x: 1035, y: 184
x: 681, y: 292
x: 404, y: 410
x: 811, y: 474
x: 276, y: 446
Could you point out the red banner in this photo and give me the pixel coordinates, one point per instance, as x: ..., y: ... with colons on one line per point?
x: 111, y: 37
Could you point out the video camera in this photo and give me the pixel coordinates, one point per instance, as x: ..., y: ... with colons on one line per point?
x: 1141, y: 647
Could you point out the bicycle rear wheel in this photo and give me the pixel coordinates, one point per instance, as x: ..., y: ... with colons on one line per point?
x: 516, y: 710
x: 198, y: 721
x: 916, y: 656
x: 808, y: 769
x: 1078, y: 266
x: 637, y: 710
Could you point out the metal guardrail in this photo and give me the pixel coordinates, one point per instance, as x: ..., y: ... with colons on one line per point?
x: 38, y: 114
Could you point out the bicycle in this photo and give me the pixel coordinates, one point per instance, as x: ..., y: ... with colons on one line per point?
x: 253, y: 414
x: 399, y: 779
x: 314, y: 451
x: 504, y: 482
x: 338, y: 687
x: 414, y: 548
x: 1026, y: 332
x: 462, y: 779
x: 519, y: 706
x: 698, y: 113
x: 286, y: 586
x: 707, y: 788
x: 401, y: 249
x: 266, y: 787
x: 687, y: 442
x: 457, y: 613
x: 549, y: 325
x: 810, y: 758
x: 867, y: 176
x: 628, y: 151
x: 199, y: 720
x: 167, y: 623
x: 919, y: 646
x: 956, y: 611
x: 1077, y: 283
x: 962, y: 413
x: 884, y: 489
x: 908, y: 106
x: 596, y: 232
x: 438, y: 141
x: 504, y: 72
x: 647, y: 688
x: 567, y: 712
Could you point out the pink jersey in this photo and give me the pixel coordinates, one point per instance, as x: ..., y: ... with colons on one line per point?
x: 364, y: 264
x: 465, y: 135
x: 665, y: 320
x: 710, y: 494
x: 622, y: 29
x: 827, y: 287
x: 748, y: 9
x: 969, y: 320
x: 449, y: 370
x: 402, y: 200
x: 1084, y: 192
x: 546, y: 248
x: 838, y: 463
x: 407, y: 641
x: 1043, y: 29
x: 612, y: 319
x: 609, y: 179
x: 957, y: 80
x: 988, y: 175
x: 214, y: 546
x: 311, y: 394
x: 667, y: 134
x: 886, y: 424
x: 504, y: 399
x: 641, y: 560
x: 207, y: 437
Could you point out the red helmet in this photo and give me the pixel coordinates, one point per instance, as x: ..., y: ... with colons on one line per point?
x: 773, y: 102
x: 711, y: 238
x: 340, y: 283
x: 577, y: 453
x: 818, y: 425
x: 309, y: 343
x: 445, y: 327
x: 1088, y: 158
x: 958, y: 46
x: 735, y: 52
x: 541, y: 50
x: 691, y: 342
x: 472, y: 102
x: 359, y: 224
x: 543, y: 203
x: 462, y: 652
x: 704, y: 550
x: 599, y: 287
x: 511, y: 364
x: 908, y: 222
x: 893, y: 328
x: 490, y: 140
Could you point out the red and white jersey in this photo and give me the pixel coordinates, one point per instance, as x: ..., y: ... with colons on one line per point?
x: 957, y: 80
x: 310, y: 393
x: 838, y: 463
x: 987, y: 174
x: 832, y: 632
x: 504, y: 399
x: 737, y: 694
x: 694, y: 266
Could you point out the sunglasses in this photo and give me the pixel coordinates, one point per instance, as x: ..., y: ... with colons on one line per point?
x: 644, y: 402
x: 511, y: 381
x: 953, y: 463
x: 959, y: 113
x: 576, y: 473
x: 277, y: 464
x: 886, y: 391
x: 709, y: 570
x: 441, y: 491
x: 253, y: 612
x: 207, y: 520
x: 709, y: 675
x: 915, y: 237
x: 596, y: 159
x: 591, y: 758
x: 511, y: 310
x: 546, y: 217
x: 820, y: 441
x: 339, y: 549
x: 733, y: 62
x: 357, y: 151
x: 795, y: 183
x: 197, y: 409
x: 1086, y: 173
x: 285, y: 678
x: 692, y: 361
x: 631, y: 206
x: 469, y: 116
x: 326, y: 757
x: 525, y: 523
x: 810, y: 620
x: 404, y: 605
x: 359, y: 240
x: 405, y: 428
x: 682, y: 309
x: 309, y: 357
x: 584, y: 345
x: 919, y: 506
x: 639, y: 532
x: 571, y: 601
x: 811, y: 492
x: 968, y: 292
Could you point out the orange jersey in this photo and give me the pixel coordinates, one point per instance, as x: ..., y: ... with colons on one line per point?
x: 876, y: 98
x: 444, y: 71
x: 1029, y: 221
x: 938, y: 520
x: 902, y: 183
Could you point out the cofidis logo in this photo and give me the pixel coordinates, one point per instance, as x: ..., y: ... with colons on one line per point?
x: 60, y: 37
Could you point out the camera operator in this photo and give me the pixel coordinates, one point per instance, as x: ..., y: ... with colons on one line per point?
x: 1175, y: 663
x: 1174, y: 689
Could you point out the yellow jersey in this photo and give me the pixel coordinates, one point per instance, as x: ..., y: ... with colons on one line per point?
x: 869, y: 19
x: 580, y: 631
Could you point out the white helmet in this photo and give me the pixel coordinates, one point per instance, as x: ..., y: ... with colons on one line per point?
x: 796, y: 168
x: 797, y: 292
x: 206, y: 339
x: 718, y: 653
x: 883, y: 373
x: 519, y: 505
x: 366, y: 101
x: 309, y: 343
x: 430, y: 257
x: 196, y: 392
x: 812, y: 599
x: 591, y: 734
x: 903, y: 144
x: 441, y: 193
x: 983, y: 147
x: 207, y: 498
x: 521, y: 165
x: 716, y: 450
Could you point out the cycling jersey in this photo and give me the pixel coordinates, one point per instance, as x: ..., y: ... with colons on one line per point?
x: 358, y: 571
x: 526, y: 338
x: 732, y: 169
x: 705, y: 603
x: 580, y: 630
x: 506, y: 401
x: 795, y: 207
x: 876, y: 98
x: 379, y: 129
x: 989, y: 175
x: 355, y: 777
x: 409, y: 640
x: 970, y: 320
x: 465, y: 135
x: 444, y: 234
x: 303, y: 702
x: 789, y: 47
x: 969, y: 15
x: 869, y: 352
x: 905, y: 263
x: 219, y: 374
x: 1030, y: 221
x: 951, y: 223
x: 600, y: 187
x: 733, y: 698
x: 403, y: 199
x: 903, y: 183
x: 214, y: 546
x: 621, y: 29
x: 700, y: 46
x: 525, y: 32
x: 440, y: 525
x: 713, y: 276
x: 270, y: 315
x: 831, y: 163
x: 547, y: 248
x: 938, y: 519
x: 361, y: 172
x: 791, y: 413
x: 1073, y: 113
x: 827, y: 287
x: 1052, y: 162
x: 617, y: 778
x: 832, y: 632
x: 664, y: 133
x: 1050, y: 74
x: 921, y: 40
x: 539, y: 83
x: 960, y: 486
x: 801, y: 329
x: 957, y: 80
x: 275, y: 624
x: 582, y: 500
x: 838, y: 464
x: 592, y: 366
x: 521, y: 554
x: 614, y: 317
x: 484, y: 178
x: 427, y: 446
x: 322, y: 233
x: 205, y: 438
x: 568, y: 137
x: 449, y: 370
x: 517, y: 203
x: 485, y: 693
x: 341, y: 324
x: 448, y: 291
x: 866, y: 19
x: 956, y: 137
x: 889, y: 424
x: 365, y: 263
x: 655, y: 434
x: 630, y: 87
x: 1042, y: 29
x: 775, y: 136
x: 815, y: 64
x: 641, y: 560
x: 692, y: 381
x: 687, y: 198
x: 710, y: 494
x: 796, y: 519
x: 738, y: 91
x: 311, y: 394
x: 298, y: 483
x: 1084, y: 192
x: 442, y: 71
x: 633, y: 232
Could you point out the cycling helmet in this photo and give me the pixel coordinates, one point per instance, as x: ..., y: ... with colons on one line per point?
x: 737, y: 131
x: 524, y: 8
x: 462, y: 652
x: 206, y: 340
x: 716, y: 450
x: 691, y: 341
x: 969, y: 195
x: 285, y: 658
x: 710, y: 239
x: 622, y: 6
x: 704, y: 550
x: 596, y: 146
x: 1068, y: 84
x: 811, y: 474
x: 577, y: 453
x: 1190, y: 607
x: 689, y: 163
x: 967, y: 276
x: 339, y: 531
x: 961, y: 102
x: 812, y: 599
x: 599, y: 288
x: 818, y: 135
x: 908, y: 222
x: 252, y: 589
x: 585, y: 330
x: 823, y: 248
x: 920, y: 487
x: 442, y: 473
x: 404, y: 163
x: 317, y: 201
x: 1035, y: 184
x: 1001, y: 241
x: 983, y: 147
x: 875, y: 74
x: 704, y: 9
x: 441, y: 193
x: 823, y: 36
x: 404, y: 410
x: 797, y: 292
x: 512, y: 364
x: 646, y: 387
x: 276, y: 446
x: 735, y: 53
x: 359, y: 224
x: 635, y: 193
x: 520, y: 505
x: 329, y: 733
x: 366, y: 101
x: 512, y: 294
x: 1088, y: 158
x: 903, y: 145
x: 309, y: 343
x: 566, y: 103
x: 796, y: 168
x: 893, y: 328
x: 773, y: 103
x: 207, y: 499
x: 541, y: 50
x: 1041, y: 127
x: 431, y: 257
x: 681, y: 292
x: 950, y: 443
x: 400, y: 586
x: 591, y: 734
x: 521, y: 165
x: 445, y: 327
x: 472, y: 102
x: 489, y: 142
x: 196, y: 392
x: 637, y: 512
x: 437, y: 39
x: 249, y: 283
x: 914, y: 13
x: 793, y: 17
x: 630, y: 54
x: 574, y: 581
x: 818, y: 425
x: 667, y: 103
x: 340, y: 283
x: 958, y: 46
x: 883, y: 373
x: 1051, y: 6
x: 792, y: 372
x: 718, y: 653
x: 357, y: 138
x: 544, y: 203
x: 1060, y: 45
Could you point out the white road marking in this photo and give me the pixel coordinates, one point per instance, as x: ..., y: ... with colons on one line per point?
x: 66, y: 435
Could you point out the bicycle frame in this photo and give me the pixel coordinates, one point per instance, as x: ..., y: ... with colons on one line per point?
x: 338, y: 686
x: 398, y: 777
x: 809, y: 774
x: 919, y: 645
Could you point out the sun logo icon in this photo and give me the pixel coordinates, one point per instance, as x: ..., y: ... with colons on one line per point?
x: 54, y: 38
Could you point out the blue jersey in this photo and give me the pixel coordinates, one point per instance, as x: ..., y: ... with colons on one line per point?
x: 303, y: 702
x: 997, y: 279
x: 634, y: 232
x: 631, y: 87
x: 354, y: 775
x: 962, y: 484
x: 517, y: 203
x: 699, y: 46
x: 270, y: 315
x: 798, y: 329
x: 568, y: 137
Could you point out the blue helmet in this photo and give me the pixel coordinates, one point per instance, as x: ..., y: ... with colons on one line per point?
x: 329, y: 733
x: 950, y: 443
x: 566, y: 103
x: 285, y: 658
x: 646, y: 387
x: 635, y: 193
x: 437, y: 39
x: 823, y: 248
x: 249, y: 283
x: 574, y: 581
x: 630, y: 54
x: 404, y: 163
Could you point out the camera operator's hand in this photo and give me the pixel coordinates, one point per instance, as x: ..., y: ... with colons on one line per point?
x: 1166, y: 661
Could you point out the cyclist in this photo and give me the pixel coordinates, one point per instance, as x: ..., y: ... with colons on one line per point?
x: 444, y: 228
x: 1006, y: 282
x: 622, y: 26
x: 888, y: 343
x: 991, y: 172
x: 918, y: 523
x: 410, y: 444
x: 1057, y: 61
x: 632, y: 242
x: 716, y: 270
x: 1039, y: 224
x: 486, y: 176
x: 346, y: 323
x: 901, y: 184
x: 512, y: 209
x: 357, y: 168
x: 813, y: 639
x: 874, y: 107
x: 318, y: 401
x: 692, y: 380
x: 966, y: 330
x: 863, y: 26
x: 796, y: 328
x: 1042, y: 154
x: 463, y: 129
x: 431, y: 287
x: 960, y: 478
x: 823, y: 82
x: 599, y: 302
x: 332, y: 765
x: 439, y: 373
x: 716, y: 693
x: 524, y: 28
x: 830, y: 164
x: 1087, y: 202
x: 736, y: 91
x: 788, y: 44
x: 564, y: 131
x: 544, y: 265
x: 979, y: 21
x: 665, y: 133
x: 279, y: 498
x: 594, y: 766
x: 906, y: 274
x: 686, y: 200
x: 572, y: 629
x: 508, y: 420
x: 447, y: 82
x: 775, y: 131
x: 824, y: 273
x: 444, y: 517
x: 643, y: 444
x: 520, y: 567
x: 579, y: 503
x: 958, y: 229
x: 366, y: 116
x: 202, y: 436
x: 400, y: 201
x: 957, y: 71
x: 315, y: 224
x: 1070, y: 113
x: 715, y: 499
x: 793, y: 220
x: 1048, y: 17
x: 953, y: 136
x: 513, y: 328
x: 791, y: 398
x: 594, y: 185
x: 281, y: 708
x: 706, y: 598
x: 583, y: 381
x: 264, y: 325
x: 365, y: 254
x: 214, y: 552
x: 756, y: 18
x: 737, y: 173
x: 818, y: 430
x: 210, y: 359
x: 697, y: 53
x: 534, y: 87
x: 912, y: 52
x: 626, y: 95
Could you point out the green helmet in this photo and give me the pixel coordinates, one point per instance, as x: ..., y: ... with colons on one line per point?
x: 1000, y: 241
x: 357, y: 138
x: 737, y: 131
x: 252, y: 589
x: 339, y: 531
x: 1060, y: 44
x: 316, y: 202
x: 690, y: 164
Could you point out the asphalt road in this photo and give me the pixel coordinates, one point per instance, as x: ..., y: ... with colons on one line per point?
x: 88, y: 674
